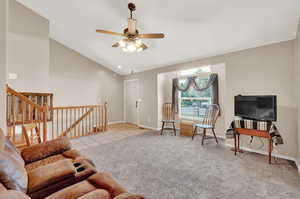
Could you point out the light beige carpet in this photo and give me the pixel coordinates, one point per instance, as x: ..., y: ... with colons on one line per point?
x: 175, y: 167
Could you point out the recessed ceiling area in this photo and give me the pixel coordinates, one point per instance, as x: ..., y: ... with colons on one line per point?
x: 193, y: 28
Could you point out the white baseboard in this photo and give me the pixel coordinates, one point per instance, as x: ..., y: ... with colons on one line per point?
x: 116, y: 122
x: 148, y: 127
x: 265, y: 153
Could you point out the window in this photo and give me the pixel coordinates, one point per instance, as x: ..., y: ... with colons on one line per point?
x: 192, y: 103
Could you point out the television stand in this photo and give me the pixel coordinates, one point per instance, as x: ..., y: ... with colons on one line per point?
x: 255, y: 133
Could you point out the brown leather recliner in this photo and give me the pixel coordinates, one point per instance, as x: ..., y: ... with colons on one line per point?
x: 42, y: 169
x: 52, y: 170
x: 98, y: 186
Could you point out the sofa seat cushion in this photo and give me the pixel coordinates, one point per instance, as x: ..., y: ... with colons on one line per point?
x: 13, y: 175
x: 47, y: 175
x: 97, y: 194
x: 43, y: 150
x: 31, y: 166
x: 73, y: 192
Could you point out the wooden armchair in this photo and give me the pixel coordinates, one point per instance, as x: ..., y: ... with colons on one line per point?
x: 208, y: 122
x: 168, y: 117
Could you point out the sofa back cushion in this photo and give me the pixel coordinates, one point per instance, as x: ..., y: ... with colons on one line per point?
x: 10, y: 148
x: 13, y: 175
x: 2, y: 139
x: 43, y: 150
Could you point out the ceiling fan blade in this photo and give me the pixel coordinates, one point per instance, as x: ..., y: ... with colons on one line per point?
x: 152, y: 36
x: 144, y: 46
x: 109, y: 32
x: 116, y: 45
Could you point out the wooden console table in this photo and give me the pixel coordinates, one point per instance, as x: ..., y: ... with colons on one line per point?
x: 252, y: 132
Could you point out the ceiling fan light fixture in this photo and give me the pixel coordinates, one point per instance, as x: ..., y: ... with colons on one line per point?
x: 135, y: 45
x: 140, y: 49
x: 131, y: 48
x: 122, y: 43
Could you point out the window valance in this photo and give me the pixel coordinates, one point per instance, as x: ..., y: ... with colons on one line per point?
x: 186, y: 83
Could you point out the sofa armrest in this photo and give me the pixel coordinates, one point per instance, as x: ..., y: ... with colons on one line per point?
x: 129, y: 196
x: 47, y: 175
x: 46, y: 149
x: 13, y: 195
x: 105, y: 181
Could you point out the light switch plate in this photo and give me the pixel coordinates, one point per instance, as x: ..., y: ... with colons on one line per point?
x: 12, y: 76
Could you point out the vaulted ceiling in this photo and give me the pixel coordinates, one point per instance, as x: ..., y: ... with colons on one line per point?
x: 193, y: 28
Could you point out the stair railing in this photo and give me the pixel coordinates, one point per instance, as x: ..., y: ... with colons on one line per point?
x: 22, y: 110
x: 77, y: 121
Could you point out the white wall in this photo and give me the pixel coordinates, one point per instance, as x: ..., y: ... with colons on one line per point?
x: 28, y: 49
x: 3, y: 33
x: 258, y: 71
x: 297, y: 83
x: 76, y: 80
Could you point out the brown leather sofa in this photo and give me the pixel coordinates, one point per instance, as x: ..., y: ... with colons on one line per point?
x: 53, y: 170
x: 98, y: 186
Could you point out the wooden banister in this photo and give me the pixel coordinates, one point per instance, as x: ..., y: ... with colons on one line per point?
x: 77, y: 122
x: 37, y: 109
x: 23, y: 98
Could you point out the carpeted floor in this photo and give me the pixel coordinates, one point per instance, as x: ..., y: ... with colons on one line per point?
x: 175, y: 167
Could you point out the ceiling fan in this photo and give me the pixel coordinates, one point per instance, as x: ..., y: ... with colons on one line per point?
x: 132, y: 41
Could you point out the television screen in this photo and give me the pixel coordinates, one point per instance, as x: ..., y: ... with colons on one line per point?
x: 262, y: 108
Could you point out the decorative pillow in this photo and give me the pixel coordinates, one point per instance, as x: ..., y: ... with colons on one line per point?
x: 12, y: 173
x: 46, y: 149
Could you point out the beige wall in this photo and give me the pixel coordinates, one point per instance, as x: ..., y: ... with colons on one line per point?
x: 28, y: 49
x: 263, y: 70
x: 3, y: 33
x: 76, y: 80
x: 297, y: 83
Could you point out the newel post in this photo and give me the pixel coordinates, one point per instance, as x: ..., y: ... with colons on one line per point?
x: 45, y: 111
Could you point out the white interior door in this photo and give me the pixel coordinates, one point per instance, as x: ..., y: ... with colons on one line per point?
x: 132, y: 101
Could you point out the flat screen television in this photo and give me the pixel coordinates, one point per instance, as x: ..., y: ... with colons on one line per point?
x: 261, y: 108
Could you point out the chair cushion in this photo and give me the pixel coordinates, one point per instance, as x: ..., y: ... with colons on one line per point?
x: 168, y: 121
x: 44, y: 176
x: 204, y: 126
x: 44, y: 150
x: 13, y: 175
